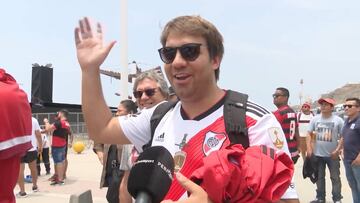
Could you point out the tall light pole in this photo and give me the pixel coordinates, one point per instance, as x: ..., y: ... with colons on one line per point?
x: 124, y: 49
x: 301, y: 90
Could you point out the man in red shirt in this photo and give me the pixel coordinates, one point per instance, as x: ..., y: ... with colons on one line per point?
x: 287, y: 119
x: 61, y: 130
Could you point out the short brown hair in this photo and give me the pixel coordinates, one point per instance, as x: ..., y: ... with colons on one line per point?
x: 197, y: 26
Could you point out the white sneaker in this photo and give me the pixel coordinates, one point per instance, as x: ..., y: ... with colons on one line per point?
x: 21, y: 194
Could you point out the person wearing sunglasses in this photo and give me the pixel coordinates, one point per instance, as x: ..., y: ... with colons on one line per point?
x: 324, y: 142
x: 149, y: 89
x: 108, y: 153
x: 288, y: 120
x: 192, y: 50
x: 351, y: 145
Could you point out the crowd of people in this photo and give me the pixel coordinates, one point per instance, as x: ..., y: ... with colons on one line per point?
x: 319, y: 138
x: 196, y: 127
x: 40, y: 152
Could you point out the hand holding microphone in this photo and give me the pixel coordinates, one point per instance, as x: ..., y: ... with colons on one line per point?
x: 151, y: 176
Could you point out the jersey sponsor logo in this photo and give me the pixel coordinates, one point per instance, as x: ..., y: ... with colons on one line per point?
x: 276, y: 138
x: 160, y: 138
x: 291, y: 115
x: 213, y: 142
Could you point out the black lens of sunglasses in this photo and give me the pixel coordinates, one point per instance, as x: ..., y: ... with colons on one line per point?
x: 277, y: 95
x: 189, y: 52
x: 167, y: 54
x: 348, y: 105
x: 148, y: 92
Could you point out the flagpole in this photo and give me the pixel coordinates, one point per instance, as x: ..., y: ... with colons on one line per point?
x: 124, y: 50
x: 301, y: 90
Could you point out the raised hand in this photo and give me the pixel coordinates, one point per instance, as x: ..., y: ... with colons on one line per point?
x: 91, y: 50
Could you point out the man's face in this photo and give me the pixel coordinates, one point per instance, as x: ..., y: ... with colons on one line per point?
x: 279, y: 98
x: 351, y: 109
x: 121, y: 111
x: 58, y: 116
x: 305, y: 109
x: 191, y: 78
x: 326, y: 107
x: 146, y: 88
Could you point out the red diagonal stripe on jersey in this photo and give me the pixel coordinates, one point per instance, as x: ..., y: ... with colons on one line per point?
x: 194, y: 154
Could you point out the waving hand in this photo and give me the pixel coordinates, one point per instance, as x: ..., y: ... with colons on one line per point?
x: 91, y: 50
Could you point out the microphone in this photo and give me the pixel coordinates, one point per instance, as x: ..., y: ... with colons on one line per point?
x: 151, y: 176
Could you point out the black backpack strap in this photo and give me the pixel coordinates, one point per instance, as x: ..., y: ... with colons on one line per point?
x: 235, y: 118
x: 156, y: 117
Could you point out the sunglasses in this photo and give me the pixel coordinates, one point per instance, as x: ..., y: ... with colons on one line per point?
x: 189, y: 52
x: 148, y: 92
x: 277, y: 95
x: 348, y: 106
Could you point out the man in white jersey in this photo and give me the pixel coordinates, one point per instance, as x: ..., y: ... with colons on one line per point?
x: 192, y: 50
x: 30, y: 158
x: 304, y: 117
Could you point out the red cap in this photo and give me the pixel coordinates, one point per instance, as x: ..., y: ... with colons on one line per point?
x: 327, y: 100
x: 306, y: 104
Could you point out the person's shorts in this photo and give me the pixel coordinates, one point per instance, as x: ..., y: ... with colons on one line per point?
x: 29, y: 157
x: 66, y: 150
x: 58, y: 154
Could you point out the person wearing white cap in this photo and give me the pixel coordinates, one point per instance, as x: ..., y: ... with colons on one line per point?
x: 323, y: 136
x: 304, y: 117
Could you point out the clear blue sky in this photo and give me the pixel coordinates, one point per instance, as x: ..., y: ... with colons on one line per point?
x: 267, y: 43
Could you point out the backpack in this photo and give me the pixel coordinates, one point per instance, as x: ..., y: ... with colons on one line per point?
x: 234, y: 118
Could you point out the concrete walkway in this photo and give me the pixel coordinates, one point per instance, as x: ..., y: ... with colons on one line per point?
x: 85, y: 169
x: 83, y: 173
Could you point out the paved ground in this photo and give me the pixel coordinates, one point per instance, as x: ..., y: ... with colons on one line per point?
x: 84, y: 172
x: 307, y: 191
